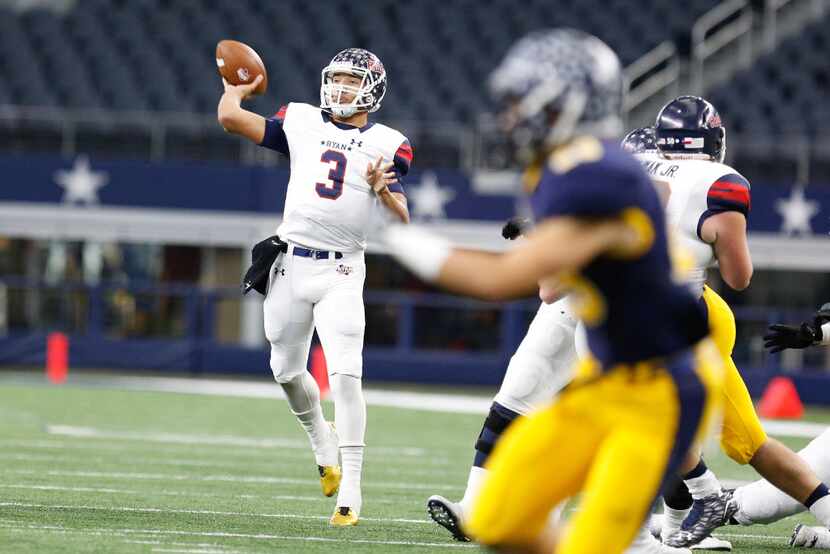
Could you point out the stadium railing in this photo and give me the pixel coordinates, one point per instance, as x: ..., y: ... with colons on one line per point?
x: 411, y: 337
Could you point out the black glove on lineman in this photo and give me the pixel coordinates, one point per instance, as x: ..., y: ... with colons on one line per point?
x: 782, y: 337
x: 514, y: 227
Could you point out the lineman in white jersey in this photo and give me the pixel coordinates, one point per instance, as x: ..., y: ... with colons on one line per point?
x: 707, y: 209
x: 540, y: 367
x: 342, y: 169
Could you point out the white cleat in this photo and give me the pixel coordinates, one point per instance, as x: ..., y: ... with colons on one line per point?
x: 646, y: 543
x: 810, y: 537
x: 448, y: 515
x: 714, y: 544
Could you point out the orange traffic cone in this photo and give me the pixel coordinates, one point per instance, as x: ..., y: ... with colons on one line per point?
x: 780, y: 400
x: 57, y: 357
x: 319, y: 370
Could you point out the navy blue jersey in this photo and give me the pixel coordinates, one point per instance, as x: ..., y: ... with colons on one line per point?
x: 631, y: 307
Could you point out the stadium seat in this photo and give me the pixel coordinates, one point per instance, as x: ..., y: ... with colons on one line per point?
x: 154, y: 54
x: 784, y: 90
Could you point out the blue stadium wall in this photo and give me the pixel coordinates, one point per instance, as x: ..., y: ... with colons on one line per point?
x: 183, y: 188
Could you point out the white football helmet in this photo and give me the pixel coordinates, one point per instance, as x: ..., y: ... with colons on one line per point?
x: 367, y: 97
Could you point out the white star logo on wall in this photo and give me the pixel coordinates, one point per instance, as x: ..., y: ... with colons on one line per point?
x: 429, y: 198
x: 796, y: 212
x: 80, y: 183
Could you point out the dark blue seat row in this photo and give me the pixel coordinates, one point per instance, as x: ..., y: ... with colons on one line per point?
x: 159, y: 54
x: 784, y: 92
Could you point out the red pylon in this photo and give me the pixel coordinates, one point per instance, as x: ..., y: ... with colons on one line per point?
x: 781, y: 400
x: 319, y: 370
x: 57, y: 357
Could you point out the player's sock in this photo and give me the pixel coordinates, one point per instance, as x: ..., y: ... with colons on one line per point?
x: 474, y: 482
x: 819, y: 504
x: 497, y: 421
x: 352, y: 459
x: 350, y: 418
x: 303, y: 396
x: 677, y: 501
x: 494, y: 425
x: 672, y: 520
x: 701, y: 481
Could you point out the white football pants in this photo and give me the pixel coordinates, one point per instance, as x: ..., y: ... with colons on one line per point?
x: 544, y: 361
x: 305, y: 293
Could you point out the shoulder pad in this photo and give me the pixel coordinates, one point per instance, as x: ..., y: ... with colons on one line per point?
x: 729, y: 192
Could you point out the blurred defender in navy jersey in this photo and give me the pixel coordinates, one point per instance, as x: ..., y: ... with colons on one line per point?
x: 652, y: 381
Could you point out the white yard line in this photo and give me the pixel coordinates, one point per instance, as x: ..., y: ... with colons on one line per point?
x: 198, y: 512
x: 433, y: 402
x: 221, y: 478
x: 243, y: 454
x: 132, y: 460
x: 196, y: 551
x: 457, y: 403
x: 183, y: 494
x: 719, y: 534
x: 248, y: 465
x: 174, y: 543
x: 197, y: 439
x: 176, y: 438
x: 13, y: 524
x: 8, y: 524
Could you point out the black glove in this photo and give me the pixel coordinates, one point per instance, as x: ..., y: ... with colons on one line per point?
x: 514, y: 227
x: 782, y: 337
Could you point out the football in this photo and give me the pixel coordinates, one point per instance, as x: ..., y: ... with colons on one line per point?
x: 238, y: 63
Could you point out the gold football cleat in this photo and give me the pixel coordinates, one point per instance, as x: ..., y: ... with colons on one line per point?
x: 343, y: 517
x: 329, y: 479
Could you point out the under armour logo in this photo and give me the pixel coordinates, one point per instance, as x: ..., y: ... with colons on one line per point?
x: 280, y: 271
x: 359, y: 143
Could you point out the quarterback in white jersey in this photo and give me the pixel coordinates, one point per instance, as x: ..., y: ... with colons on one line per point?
x: 344, y: 169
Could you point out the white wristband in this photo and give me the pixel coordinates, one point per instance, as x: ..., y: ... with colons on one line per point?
x: 418, y: 249
x: 825, y: 333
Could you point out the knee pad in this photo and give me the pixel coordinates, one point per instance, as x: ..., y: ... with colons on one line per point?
x: 280, y: 367
x: 497, y: 421
x: 344, y: 354
x: 287, y: 362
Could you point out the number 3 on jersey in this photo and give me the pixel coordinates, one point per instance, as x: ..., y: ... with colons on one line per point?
x: 336, y: 175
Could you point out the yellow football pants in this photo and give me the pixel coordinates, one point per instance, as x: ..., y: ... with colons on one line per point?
x: 742, y: 433
x: 615, y: 438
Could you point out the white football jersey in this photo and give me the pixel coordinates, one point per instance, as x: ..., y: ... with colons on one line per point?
x: 328, y: 204
x: 698, y: 190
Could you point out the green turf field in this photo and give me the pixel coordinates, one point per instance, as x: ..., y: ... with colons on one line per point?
x: 98, y: 470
